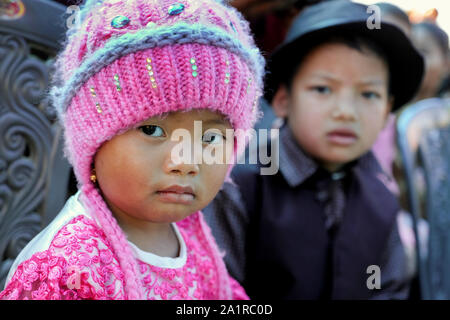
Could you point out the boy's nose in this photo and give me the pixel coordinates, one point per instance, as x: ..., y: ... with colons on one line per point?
x: 344, y: 108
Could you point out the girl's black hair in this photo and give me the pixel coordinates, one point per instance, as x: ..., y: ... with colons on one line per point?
x: 357, y: 42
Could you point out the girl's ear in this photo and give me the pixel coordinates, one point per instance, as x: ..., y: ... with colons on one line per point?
x: 280, y: 102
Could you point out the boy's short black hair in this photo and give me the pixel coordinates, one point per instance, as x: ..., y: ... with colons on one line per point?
x: 352, y: 41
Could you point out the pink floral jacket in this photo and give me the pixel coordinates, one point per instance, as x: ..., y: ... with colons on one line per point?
x: 72, y: 259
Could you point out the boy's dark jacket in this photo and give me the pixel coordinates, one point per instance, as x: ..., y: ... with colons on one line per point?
x: 288, y: 252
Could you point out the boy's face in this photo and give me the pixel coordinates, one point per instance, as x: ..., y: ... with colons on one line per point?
x: 338, y: 103
x: 144, y: 181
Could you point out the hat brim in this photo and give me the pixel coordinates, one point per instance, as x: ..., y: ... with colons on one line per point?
x: 406, y: 65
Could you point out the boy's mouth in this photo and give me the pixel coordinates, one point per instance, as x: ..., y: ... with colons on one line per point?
x: 177, y: 194
x: 342, y: 136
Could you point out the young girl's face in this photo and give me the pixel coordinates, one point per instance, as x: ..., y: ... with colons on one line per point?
x: 143, y: 179
x: 338, y: 103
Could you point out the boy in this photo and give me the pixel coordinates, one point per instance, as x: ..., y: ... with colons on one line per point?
x: 324, y: 226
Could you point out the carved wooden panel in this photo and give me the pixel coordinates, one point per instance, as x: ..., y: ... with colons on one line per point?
x: 25, y: 143
x: 30, y: 144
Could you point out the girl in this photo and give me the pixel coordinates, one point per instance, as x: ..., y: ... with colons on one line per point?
x: 130, y: 75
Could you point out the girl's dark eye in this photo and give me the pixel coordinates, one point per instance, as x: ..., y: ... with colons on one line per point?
x: 152, y: 130
x: 213, y: 137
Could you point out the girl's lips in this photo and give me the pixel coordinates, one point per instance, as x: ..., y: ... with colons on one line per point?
x: 342, y: 137
x: 173, y: 197
x: 176, y: 194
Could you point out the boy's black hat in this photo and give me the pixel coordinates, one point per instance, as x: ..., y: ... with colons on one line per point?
x: 342, y: 17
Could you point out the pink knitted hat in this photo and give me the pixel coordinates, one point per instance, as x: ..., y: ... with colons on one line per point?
x: 129, y: 60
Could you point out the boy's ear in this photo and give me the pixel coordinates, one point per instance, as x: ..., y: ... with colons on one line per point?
x: 280, y: 102
x: 390, y: 103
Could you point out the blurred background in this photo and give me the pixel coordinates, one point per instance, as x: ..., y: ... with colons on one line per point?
x: 419, y: 10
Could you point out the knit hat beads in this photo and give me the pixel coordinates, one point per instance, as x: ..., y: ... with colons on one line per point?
x: 131, y: 60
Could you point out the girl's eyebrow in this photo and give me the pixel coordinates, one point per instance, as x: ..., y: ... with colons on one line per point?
x: 216, y: 121
x: 152, y: 120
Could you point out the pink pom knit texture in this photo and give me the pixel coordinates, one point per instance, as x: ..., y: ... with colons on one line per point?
x: 177, y: 90
x: 143, y: 83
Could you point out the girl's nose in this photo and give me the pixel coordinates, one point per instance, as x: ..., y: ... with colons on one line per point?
x: 180, y: 165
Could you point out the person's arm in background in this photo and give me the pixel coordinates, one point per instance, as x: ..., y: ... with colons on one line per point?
x: 228, y: 219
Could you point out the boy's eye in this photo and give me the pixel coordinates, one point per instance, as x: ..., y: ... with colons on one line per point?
x: 152, y: 130
x: 321, y: 89
x: 371, y: 95
x: 213, y: 137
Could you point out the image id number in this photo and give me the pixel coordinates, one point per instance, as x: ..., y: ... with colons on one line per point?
x: 245, y: 309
